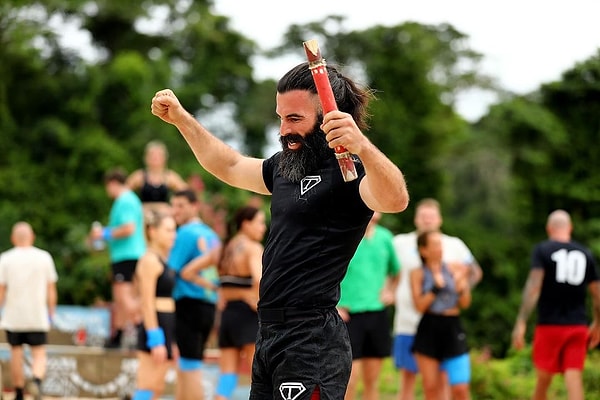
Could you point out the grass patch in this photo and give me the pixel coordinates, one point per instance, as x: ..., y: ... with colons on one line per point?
x: 511, y: 378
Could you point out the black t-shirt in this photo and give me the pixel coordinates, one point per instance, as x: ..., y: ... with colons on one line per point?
x: 568, y: 270
x: 316, y: 226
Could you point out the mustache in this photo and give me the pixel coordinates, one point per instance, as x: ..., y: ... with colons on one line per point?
x: 292, y: 138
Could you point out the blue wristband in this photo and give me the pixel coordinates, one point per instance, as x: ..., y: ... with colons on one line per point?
x: 155, y: 337
x: 106, y: 233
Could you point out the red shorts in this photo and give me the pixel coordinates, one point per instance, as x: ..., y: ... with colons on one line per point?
x: 557, y: 348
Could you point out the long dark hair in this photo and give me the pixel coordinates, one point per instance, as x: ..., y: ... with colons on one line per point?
x: 423, y: 240
x: 245, y: 213
x: 350, y: 98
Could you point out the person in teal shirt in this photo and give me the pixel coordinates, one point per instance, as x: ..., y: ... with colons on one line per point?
x: 193, y: 257
x: 124, y: 235
x: 367, y: 290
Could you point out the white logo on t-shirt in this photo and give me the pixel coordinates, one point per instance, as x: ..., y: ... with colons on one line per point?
x: 309, y: 182
x: 291, y: 390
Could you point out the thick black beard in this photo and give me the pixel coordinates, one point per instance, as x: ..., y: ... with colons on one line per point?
x: 296, y: 164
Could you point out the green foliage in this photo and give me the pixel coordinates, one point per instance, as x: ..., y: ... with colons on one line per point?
x: 512, y: 377
x: 416, y: 72
x: 65, y: 120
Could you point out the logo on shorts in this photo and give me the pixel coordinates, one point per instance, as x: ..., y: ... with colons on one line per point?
x: 291, y: 390
x: 308, y: 183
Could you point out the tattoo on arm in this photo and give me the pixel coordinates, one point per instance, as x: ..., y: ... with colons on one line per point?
x: 531, y: 293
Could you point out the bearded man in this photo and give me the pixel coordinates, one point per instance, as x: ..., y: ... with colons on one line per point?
x: 317, y: 220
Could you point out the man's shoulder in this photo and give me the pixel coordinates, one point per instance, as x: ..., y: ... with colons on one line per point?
x: 196, y: 228
x: 404, y: 237
x: 129, y: 197
x: 8, y: 251
x: 133, y: 197
x: 452, y: 239
x: 550, y: 245
x: 5, y: 255
x: 15, y: 253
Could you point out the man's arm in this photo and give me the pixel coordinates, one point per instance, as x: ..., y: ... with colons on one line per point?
x: 213, y: 154
x: 52, y: 299
x: 190, y: 271
x: 2, y: 294
x: 531, y: 294
x: 388, y: 294
x: 122, y: 231
x: 475, y: 273
x: 594, y: 340
x: 465, y: 256
x: 383, y: 188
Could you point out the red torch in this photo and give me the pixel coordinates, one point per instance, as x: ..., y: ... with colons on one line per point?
x: 318, y: 68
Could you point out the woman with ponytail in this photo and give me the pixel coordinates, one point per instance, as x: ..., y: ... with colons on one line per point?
x: 240, y: 269
x: 155, y: 281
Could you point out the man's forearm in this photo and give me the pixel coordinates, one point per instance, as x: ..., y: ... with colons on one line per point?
x: 475, y: 274
x: 531, y: 294
x: 220, y: 159
x: 191, y: 269
x: 52, y: 298
x: 527, y: 307
x: 385, y: 181
x: 214, y: 155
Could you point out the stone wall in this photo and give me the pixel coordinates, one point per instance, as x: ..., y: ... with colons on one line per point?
x: 83, y: 368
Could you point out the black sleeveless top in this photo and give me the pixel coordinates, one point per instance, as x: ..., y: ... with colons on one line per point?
x: 233, y: 281
x: 316, y: 226
x: 153, y: 193
x: 165, y: 281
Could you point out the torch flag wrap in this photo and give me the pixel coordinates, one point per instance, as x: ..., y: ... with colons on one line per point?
x: 318, y: 69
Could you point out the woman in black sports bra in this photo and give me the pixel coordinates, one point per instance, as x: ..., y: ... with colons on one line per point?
x: 155, y: 281
x: 155, y: 182
x: 240, y: 269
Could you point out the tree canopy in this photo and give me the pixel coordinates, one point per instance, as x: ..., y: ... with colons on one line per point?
x: 67, y: 117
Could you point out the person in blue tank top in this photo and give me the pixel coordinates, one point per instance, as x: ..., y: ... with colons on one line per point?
x: 124, y: 235
x: 317, y: 221
x: 440, y: 290
x: 196, y: 250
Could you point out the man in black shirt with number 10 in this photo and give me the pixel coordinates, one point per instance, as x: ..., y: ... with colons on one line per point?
x: 317, y: 220
x: 562, y: 271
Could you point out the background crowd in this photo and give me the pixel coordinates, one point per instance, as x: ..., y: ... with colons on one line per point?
x: 385, y: 296
x: 497, y: 177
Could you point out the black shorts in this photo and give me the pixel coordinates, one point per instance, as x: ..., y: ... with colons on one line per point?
x: 239, y: 325
x: 123, y: 271
x: 370, y: 334
x: 194, y: 320
x: 307, y: 349
x: 166, y: 320
x: 31, y: 338
x: 440, y: 337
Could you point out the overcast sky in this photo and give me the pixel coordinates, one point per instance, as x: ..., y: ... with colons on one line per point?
x: 524, y: 42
